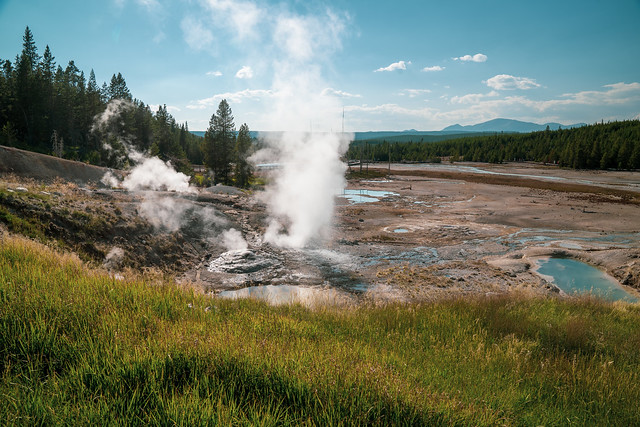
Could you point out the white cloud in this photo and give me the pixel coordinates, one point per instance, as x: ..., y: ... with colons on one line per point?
x: 338, y: 93
x: 412, y: 93
x: 234, y: 97
x: 242, y: 17
x: 611, y: 101
x: 473, y: 98
x: 478, y: 57
x: 214, y: 73
x: 245, y: 73
x: 507, y: 82
x: 614, y: 94
x: 302, y: 38
x: 434, y: 68
x: 391, y: 109
x: 196, y: 34
x: 400, y: 65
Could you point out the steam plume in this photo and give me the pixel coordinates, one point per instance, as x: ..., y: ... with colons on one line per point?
x: 165, y: 213
x: 300, y: 197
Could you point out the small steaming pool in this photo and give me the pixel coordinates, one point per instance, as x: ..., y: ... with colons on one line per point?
x: 365, y: 196
x: 575, y: 277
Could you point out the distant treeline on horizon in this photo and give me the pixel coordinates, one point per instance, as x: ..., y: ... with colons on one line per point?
x: 613, y: 145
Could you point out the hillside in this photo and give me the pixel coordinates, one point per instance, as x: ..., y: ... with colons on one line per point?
x: 508, y: 125
x: 43, y: 167
x: 450, y: 132
x: 78, y: 346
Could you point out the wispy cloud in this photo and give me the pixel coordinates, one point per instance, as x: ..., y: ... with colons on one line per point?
x: 159, y: 37
x: 473, y: 98
x: 434, y: 68
x: 215, y: 73
x: 149, y: 4
x: 478, y: 57
x: 507, y: 82
x: 245, y: 73
x: 412, y: 93
x: 400, y: 65
x: 235, y: 97
x: 391, y: 109
x: 476, y: 108
x: 241, y: 17
x: 196, y: 34
x: 339, y: 93
x: 614, y: 94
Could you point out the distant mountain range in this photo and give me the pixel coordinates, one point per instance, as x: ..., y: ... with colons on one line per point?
x: 508, y: 125
x: 453, y: 131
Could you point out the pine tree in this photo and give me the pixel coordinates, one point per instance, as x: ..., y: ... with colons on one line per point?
x: 26, y: 87
x: 219, y: 141
x: 48, y: 64
x: 118, y: 88
x: 243, y: 170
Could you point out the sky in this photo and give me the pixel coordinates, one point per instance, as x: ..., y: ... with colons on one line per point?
x: 389, y: 65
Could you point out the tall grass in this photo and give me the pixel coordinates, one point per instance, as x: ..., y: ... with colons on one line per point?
x: 79, y: 347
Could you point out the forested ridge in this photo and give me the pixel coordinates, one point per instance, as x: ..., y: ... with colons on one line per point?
x: 53, y: 110
x: 613, y: 145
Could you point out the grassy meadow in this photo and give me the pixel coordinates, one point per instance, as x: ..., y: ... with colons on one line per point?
x: 80, y: 347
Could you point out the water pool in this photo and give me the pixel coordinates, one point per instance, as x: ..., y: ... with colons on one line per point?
x: 575, y: 277
x: 365, y: 196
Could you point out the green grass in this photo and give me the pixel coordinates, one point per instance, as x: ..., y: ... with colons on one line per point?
x: 78, y: 347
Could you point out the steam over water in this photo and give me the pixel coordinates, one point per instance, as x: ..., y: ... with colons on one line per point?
x: 301, y: 197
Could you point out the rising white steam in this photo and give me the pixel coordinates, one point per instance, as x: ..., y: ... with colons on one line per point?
x: 110, y: 115
x: 164, y: 213
x: 232, y: 240
x: 110, y: 180
x: 154, y: 174
x: 300, y: 196
x: 151, y: 174
x: 107, y: 124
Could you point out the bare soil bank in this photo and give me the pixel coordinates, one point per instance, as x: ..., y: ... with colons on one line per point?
x: 47, y: 168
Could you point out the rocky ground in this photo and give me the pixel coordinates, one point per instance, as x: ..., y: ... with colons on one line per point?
x: 437, y: 232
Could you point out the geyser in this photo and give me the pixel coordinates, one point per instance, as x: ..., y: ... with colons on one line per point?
x: 301, y: 197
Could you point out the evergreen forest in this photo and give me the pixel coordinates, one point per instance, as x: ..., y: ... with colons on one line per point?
x: 613, y: 145
x: 53, y: 110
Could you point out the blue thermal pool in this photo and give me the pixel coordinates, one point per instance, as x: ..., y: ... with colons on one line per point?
x: 365, y: 196
x: 575, y: 277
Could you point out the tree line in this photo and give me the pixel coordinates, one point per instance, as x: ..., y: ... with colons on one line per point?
x: 53, y: 110
x: 613, y: 145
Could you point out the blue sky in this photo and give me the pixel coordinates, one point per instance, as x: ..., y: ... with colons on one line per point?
x: 390, y: 65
